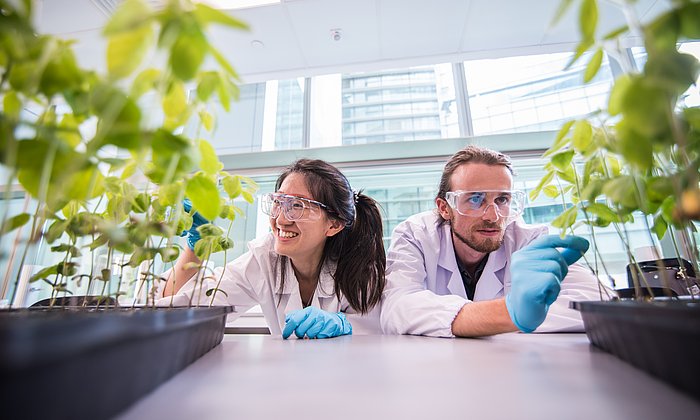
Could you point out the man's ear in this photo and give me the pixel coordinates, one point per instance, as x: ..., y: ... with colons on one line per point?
x: 443, y: 208
x: 335, y: 227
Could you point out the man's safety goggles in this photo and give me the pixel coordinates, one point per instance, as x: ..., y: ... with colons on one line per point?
x: 508, y: 204
x: 295, y: 208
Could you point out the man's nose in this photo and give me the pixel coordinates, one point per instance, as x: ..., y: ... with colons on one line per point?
x: 491, y: 213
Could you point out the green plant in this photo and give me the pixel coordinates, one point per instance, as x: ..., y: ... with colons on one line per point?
x: 103, y: 176
x: 642, y: 153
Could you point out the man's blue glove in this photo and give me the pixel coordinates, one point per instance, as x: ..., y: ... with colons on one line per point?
x: 315, y: 323
x: 536, y: 272
x: 197, y: 220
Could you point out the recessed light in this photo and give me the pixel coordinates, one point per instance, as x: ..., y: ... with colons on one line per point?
x: 257, y: 44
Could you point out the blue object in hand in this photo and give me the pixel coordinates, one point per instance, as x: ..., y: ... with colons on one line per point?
x: 197, y: 220
x: 315, y: 323
x: 536, y: 273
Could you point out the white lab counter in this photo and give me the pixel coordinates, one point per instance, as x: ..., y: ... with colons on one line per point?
x: 511, y: 376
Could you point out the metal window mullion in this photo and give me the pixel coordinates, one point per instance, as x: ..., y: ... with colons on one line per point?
x: 464, y: 115
x: 306, y: 115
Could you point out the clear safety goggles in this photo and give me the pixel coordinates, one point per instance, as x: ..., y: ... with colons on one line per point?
x: 295, y: 208
x: 508, y: 204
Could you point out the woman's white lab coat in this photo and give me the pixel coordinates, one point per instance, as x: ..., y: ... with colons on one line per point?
x: 424, y: 290
x: 253, y: 279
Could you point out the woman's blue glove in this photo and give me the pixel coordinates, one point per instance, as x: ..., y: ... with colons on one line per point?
x: 315, y: 323
x: 536, y: 272
x: 197, y: 220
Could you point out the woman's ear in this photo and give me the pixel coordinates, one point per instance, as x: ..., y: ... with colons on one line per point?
x: 444, y: 208
x: 335, y: 227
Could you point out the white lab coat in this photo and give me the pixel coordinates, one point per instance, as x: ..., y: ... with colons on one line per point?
x: 253, y: 279
x: 424, y: 290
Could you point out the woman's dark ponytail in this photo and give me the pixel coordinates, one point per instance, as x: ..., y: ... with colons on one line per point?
x: 362, y: 262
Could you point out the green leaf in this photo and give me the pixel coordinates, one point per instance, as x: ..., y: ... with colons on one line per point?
x: 204, y: 195
x: 617, y: 94
x: 603, y: 212
x: 15, y: 222
x: 248, y: 197
x: 71, y: 249
x: 145, y: 81
x: 223, y: 62
x: 206, y: 14
x: 546, y: 179
x: 634, y: 147
x: 673, y: 71
x: 11, y: 104
x: 562, y: 160
x: 169, y: 195
x: 690, y: 20
x: 588, y: 18
x: 616, y: 33
x: 593, y: 66
x: 207, y: 120
x: 660, y: 226
x: 621, y: 191
x: 551, y: 191
x: 560, y: 141
x: 208, y: 82
x: 210, y: 163
x: 141, y: 202
x: 130, y: 15
x: 582, y: 138
x: 126, y: 50
x: 232, y: 185
x: 187, y: 54
x: 563, y: 7
x: 44, y: 273
x: 566, y: 219
x: 580, y: 50
x: 175, y: 102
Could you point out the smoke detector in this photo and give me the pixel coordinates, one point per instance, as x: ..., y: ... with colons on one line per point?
x: 336, y: 34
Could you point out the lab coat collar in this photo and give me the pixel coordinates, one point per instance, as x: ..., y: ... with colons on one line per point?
x: 489, y: 285
x: 448, y: 261
x: 326, y: 283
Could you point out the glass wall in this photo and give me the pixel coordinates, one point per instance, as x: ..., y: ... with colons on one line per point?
x: 532, y: 93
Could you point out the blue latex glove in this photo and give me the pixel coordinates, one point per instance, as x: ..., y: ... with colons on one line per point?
x: 536, y: 272
x: 315, y: 323
x: 197, y: 220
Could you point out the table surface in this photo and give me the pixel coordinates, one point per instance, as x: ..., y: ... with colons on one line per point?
x: 520, y: 376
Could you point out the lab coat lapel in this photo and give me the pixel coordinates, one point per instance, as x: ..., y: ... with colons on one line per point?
x: 490, y: 283
x: 447, y: 262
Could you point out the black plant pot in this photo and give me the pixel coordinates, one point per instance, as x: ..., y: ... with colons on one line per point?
x: 75, y: 364
x: 659, y: 337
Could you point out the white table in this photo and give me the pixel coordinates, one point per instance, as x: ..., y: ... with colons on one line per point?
x: 511, y: 376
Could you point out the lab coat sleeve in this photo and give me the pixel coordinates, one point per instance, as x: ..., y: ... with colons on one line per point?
x: 408, y: 306
x: 367, y: 324
x: 578, y: 285
x: 233, y: 284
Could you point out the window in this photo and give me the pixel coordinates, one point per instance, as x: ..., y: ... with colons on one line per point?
x: 531, y: 93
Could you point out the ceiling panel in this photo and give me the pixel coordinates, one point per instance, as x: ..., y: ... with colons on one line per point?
x: 411, y: 28
x: 313, y: 21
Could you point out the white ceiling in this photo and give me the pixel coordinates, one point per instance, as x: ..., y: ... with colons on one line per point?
x: 375, y: 34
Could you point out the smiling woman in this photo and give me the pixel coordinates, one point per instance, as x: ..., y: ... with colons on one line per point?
x: 324, y: 259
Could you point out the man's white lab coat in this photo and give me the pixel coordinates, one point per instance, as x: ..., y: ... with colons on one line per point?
x: 425, y: 291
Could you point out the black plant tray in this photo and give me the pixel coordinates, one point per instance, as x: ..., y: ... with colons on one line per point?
x: 83, y: 363
x: 661, y: 338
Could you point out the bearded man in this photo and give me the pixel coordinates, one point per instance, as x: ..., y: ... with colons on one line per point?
x: 472, y: 267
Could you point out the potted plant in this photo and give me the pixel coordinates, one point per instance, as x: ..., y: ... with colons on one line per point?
x: 108, y: 181
x: 639, y: 156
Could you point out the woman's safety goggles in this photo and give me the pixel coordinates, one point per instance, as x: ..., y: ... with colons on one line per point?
x: 507, y: 204
x: 295, y: 208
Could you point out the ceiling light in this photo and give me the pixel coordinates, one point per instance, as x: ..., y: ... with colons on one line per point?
x: 237, y: 4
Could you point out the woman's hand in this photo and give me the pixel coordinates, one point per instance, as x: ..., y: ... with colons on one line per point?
x: 315, y: 323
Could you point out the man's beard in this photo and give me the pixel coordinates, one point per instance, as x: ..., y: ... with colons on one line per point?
x: 485, y: 245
